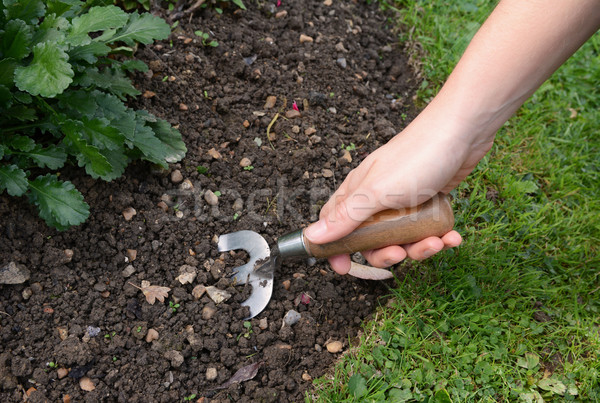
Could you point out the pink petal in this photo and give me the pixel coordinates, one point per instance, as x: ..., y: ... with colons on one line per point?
x: 278, y: 3
x: 295, y: 106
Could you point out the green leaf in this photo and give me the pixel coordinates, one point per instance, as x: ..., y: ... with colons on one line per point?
x: 59, y: 7
x: 15, y: 41
x: 173, y: 145
x: 442, y: 396
x: 59, y: 203
x: 357, y: 386
x: 552, y: 385
x: 118, y: 160
x: 77, y: 103
x: 26, y: 10
x: 399, y: 395
x: 21, y: 143
x: 89, y: 52
x: 150, y: 146
x: 112, y: 80
x: 99, y: 133
x: 48, y: 75
x: 142, y: 28
x: 239, y: 4
x: 87, y: 155
x: 52, y: 29
x: 19, y: 112
x: 134, y: 65
x: 52, y: 157
x: 5, y: 97
x: 13, y: 179
x: 7, y: 72
x: 530, y: 361
x: 96, y: 19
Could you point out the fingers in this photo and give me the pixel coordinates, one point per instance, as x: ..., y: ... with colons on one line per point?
x: 385, y: 257
x: 340, y: 264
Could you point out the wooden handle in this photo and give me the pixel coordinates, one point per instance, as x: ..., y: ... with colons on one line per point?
x: 392, y: 227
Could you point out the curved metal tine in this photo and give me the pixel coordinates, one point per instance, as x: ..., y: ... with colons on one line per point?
x: 251, y: 242
x: 260, y: 297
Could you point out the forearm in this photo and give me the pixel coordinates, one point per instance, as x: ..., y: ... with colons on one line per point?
x: 519, y: 46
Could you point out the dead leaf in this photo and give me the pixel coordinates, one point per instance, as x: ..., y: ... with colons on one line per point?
x: 243, y: 374
x: 369, y: 273
x: 153, y: 292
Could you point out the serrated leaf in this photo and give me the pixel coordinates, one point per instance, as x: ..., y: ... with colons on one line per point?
x: 109, y: 79
x: 49, y: 74
x: 52, y: 157
x: 135, y: 65
x: 19, y: 112
x: 173, y: 146
x: 153, y: 292
x: 7, y: 72
x: 21, y: 143
x: 5, y: 97
x: 59, y: 203
x: 143, y: 28
x: 15, y: 41
x: 357, y: 386
x: 26, y: 10
x: 121, y: 117
x: 87, y: 155
x: 118, y: 161
x: 77, y: 103
x: 51, y: 29
x: 96, y: 19
x: 13, y: 179
x: 58, y: 7
x: 150, y: 146
x: 89, y: 52
x: 99, y: 133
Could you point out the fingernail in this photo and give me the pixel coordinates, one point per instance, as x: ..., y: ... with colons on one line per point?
x: 388, y: 262
x: 315, y: 231
x: 429, y: 252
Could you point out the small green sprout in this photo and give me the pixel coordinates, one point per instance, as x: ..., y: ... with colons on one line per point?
x: 165, y: 78
x: 138, y: 329
x: 52, y: 364
x: 202, y: 170
x: 248, y: 168
x: 217, y: 193
x: 351, y: 147
x: 236, y: 216
x: 190, y: 397
x: 110, y: 335
x: 248, y: 327
x: 173, y: 306
x: 114, y: 359
x: 205, y: 39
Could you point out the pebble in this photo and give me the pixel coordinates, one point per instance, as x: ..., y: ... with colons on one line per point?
x: 131, y: 254
x: 334, y: 347
x: 328, y: 3
x: 14, y: 274
x: 62, y: 372
x: 211, y: 374
x: 128, y: 213
x: 270, y: 103
x: 183, y: 107
x: 318, y: 348
x: 27, y: 293
x: 246, y: 124
x: 211, y: 198
x: 315, y: 139
x: 346, y: 158
x: 306, y: 377
x: 208, y: 312
x: 245, y: 162
x: 69, y: 255
x: 217, y: 295
x: 341, y: 61
x: 281, y: 14
x: 214, y: 153
x: 238, y: 204
x: 340, y: 47
x: 327, y: 173
x: 295, y: 129
x: 305, y: 38
x: 151, y: 335
x: 174, y: 357
x: 149, y: 94
x: 187, y: 274
x: 176, y: 176
x: 63, y: 333
x: 310, y: 131
x: 292, y: 114
x: 291, y: 317
x: 198, y: 291
x: 189, y: 57
x: 186, y: 185
x: 86, y: 384
x: 163, y: 206
x: 263, y: 324
x: 286, y: 284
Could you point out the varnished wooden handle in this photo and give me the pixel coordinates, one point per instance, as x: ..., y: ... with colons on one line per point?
x: 392, y: 227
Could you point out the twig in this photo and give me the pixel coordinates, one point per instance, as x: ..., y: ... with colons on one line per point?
x: 269, y: 129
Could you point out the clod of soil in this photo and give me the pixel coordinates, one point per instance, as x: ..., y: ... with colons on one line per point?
x: 118, y: 347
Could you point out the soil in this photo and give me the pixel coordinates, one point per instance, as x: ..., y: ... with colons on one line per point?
x: 80, y: 316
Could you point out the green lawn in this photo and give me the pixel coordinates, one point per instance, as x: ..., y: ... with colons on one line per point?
x: 514, y: 313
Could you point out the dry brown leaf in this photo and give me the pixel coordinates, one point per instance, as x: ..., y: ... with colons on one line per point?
x: 368, y: 272
x: 243, y: 374
x: 153, y: 292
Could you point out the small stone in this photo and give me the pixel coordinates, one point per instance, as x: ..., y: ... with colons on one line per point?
x: 328, y: 3
x: 155, y: 65
x: 327, y: 173
x: 346, y: 158
x: 13, y: 273
x: 179, y: 214
x: 246, y: 124
x: 211, y: 198
x: 175, y: 357
x: 66, y: 399
x: 281, y: 14
x: 27, y: 293
x: 69, y: 255
x: 128, y: 213
x: 298, y: 275
x: 48, y: 310
x: 315, y: 139
x: 187, y: 274
x: 292, y: 114
x: 149, y: 94
x: 334, y: 347
x: 305, y: 38
x: 176, y: 176
x: 340, y: 47
x: 172, y: 78
x: 163, y: 206
x: 291, y: 317
x: 306, y: 377
x: 341, y: 61
x: 238, y: 204
x: 131, y: 254
x: 151, y: 335
x: 63, y: 333
x: 128, y: 271
x: 198, y: 291
x: 189, y: 58
x: 263, y: 324
x: 245, y: 162
x: 183, y: 107
x: 105, y: 294
x: 208, y: 312
x: 295, y: 129
x: 186, y: 185
x: 286, y: 284
x: 270, y: 103
x: 211, y: 374
x: 62, y: 372
x: 217, y: 295
x: 86, y: 384
x: 187, y: 41
x: 214, y: 153
x: 318, y: 348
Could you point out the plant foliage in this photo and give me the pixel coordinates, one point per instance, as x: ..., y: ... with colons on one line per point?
x: 62, y: 93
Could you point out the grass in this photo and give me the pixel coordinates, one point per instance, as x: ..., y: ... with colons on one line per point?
x: 514, y: 313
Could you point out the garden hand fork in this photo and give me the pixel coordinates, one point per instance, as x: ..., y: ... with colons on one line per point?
x: 388, y: 227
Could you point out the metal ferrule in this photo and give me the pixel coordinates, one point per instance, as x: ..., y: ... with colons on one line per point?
x: 292, y: 245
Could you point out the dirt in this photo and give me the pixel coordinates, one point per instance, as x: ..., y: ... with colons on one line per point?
x: 80, y: 315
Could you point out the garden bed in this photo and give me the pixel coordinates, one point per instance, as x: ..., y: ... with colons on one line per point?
x: 268, y: 167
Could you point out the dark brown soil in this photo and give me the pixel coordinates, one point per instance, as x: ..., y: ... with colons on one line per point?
x: 353, y: 89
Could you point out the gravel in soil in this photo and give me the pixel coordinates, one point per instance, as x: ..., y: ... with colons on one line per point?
x: 274, y: 118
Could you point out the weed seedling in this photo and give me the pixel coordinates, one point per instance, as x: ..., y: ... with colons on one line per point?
x: 52, y: 365
x: 189, y: 398
x: 236, y: 216
x: 248, y: 168
x: 173, y: 306
x: 110, y: 335
x: 202, y: 170
x: 248, y: 327
x: 138, y: 329
x: 205, y: 39
x: 351, y: 147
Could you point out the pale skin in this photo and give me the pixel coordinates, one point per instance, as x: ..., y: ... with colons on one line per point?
x: 518, y: 47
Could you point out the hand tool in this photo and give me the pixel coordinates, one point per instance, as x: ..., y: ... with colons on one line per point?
x: 388, y: 227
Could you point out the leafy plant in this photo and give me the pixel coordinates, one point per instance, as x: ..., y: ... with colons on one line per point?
x: 204, y: 36
x: 218, y: 5
x: 63, y: 85
x: 173, y: 306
